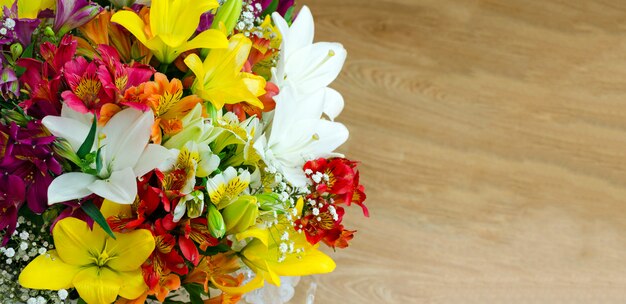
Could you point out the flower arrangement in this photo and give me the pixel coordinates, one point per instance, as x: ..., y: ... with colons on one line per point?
x: 150, y: 149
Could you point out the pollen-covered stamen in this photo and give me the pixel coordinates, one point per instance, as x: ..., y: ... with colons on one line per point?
x: 167, y: 101
x: 87, y: 90
x: 121, y: 83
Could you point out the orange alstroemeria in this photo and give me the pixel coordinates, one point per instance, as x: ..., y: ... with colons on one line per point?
x: 166, y: 100
x: 212, y: 268
x: 100, y: 30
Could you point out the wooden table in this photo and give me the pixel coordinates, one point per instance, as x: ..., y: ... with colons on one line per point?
x: 492, y: 136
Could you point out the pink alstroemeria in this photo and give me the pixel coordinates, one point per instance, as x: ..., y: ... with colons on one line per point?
x: 12, y: 191
x: 102, y: 81
x: 119, y: 76
x: 89, y: 88
x: 71, y: 14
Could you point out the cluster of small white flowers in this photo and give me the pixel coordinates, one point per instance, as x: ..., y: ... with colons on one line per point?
x: 27, y: 242
x: 7, y: 26
x: 247, y: 20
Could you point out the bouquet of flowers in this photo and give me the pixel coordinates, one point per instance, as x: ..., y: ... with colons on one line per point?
x: 167, y: 149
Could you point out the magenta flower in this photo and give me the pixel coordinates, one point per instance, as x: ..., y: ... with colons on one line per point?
x: 104, y: 80
x: 11, y: 200
x: 26, y: 152
x: 89, y: 89
x: 118, y: 76
x: 71, y: 14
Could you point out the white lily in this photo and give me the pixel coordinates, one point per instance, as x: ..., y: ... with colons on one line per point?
x: 125, y: 155
x: 298, y: 133
x: 305, y: 66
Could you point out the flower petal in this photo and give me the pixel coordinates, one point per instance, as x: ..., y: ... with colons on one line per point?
x: 130, y: 249
x: 133, y: 284
x: 74, y: 131
x: 69, y: 186
x: 212, y: 39
x: 127, y: 135
x: 38, y: 272
x: 155, y: 156
x: 132, y: 22
x: 98, y: 285
x: 74, y: 241
x: 120, y: 187
x: 333, y: 103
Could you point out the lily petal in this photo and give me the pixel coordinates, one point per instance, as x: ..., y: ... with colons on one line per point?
x: 120, y: 187
x: 38, y: 273
x: 74, y: 241
x: 69, y: 129
x: 70, y: 186
x: 127, y: 135
x: 155, y: 156
x: 130, y: 249
x: 98, y: 285
x: 333, y: 103
x: 133, y: 284
x: 132, y: 22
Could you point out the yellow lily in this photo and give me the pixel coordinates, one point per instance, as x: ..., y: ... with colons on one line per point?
x: 171, y: 24
x: 266, y: 256
x: 29, y: 8
x: 99, y: 267
x: 219, y: 78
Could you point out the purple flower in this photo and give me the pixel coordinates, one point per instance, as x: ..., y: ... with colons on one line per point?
x: 71, y: 14
x: 11, y: 200
x: 206, y: 20
x: 14, y: 30
x: 26, y: 152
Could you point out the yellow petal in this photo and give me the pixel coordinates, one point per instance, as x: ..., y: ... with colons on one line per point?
x: 97, y: 285
x: 208, y: 39
x: 255, y: 283
x: 110, y: 208
x: 132, y: 22
x: 75, y: 243
x: 195, y: 65
x: 174, y: 21
x: 130, y: 250
x: 260, y: 234
x: 48, y: 271
x: 133, y: 284
x: 311, y: 261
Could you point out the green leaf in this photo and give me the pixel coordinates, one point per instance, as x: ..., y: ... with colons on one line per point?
x: 289, y: 15
x: 270, y: 8
x: 85, y: 148
x: 81, y: 301
x: 28, y: 53
x: 97, y: 216
x: 195, y: 293
x: 98, y: 160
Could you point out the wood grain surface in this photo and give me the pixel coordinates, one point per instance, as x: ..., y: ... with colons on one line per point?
x: 492, y: 136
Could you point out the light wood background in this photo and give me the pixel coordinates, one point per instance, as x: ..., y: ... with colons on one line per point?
x: 492, y: 136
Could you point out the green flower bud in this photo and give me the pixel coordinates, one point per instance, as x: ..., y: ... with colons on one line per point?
x: 15, y: 116
x: 215, y: 221
x: 16, y: 51
x: 228, y: 14
x: 63, y: 148
x: 240, y: 214
x: 195, y: 204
